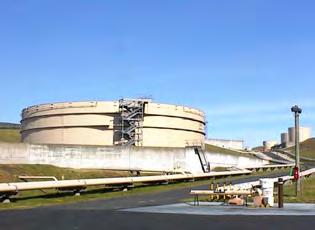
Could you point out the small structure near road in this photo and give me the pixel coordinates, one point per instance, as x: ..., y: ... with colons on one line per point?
x: 262, y: 192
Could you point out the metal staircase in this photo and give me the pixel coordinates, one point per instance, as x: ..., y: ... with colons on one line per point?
x: 131, y: 119
x: 205, y: 165
x: 198, y: 147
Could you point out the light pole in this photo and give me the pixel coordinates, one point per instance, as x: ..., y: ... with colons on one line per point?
x: 297, y: 111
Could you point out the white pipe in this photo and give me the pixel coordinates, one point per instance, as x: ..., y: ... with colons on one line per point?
x: 21, y: 186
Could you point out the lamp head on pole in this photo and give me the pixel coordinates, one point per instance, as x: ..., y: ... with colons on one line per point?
x: 296, y: 109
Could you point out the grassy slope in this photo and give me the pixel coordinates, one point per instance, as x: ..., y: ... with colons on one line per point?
x: 307, y: 148
x: 10, y: 172
x: 10, y: 135
x: 216, y: 149
x: 9, y: 125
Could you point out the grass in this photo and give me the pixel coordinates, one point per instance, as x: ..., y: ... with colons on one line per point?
x: 220, y: 169
x: 307, y: 194
x: 11, y: 135
x: 10, y: 172
x: 307, y: 148
x: 216, y: 149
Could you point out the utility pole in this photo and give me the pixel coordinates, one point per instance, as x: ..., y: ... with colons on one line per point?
x: 297, y: 111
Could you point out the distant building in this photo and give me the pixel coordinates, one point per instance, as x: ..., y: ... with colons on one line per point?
x: 225, y: 143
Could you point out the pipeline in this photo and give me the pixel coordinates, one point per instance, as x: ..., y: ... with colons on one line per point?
x: 15, y: 187
x: 23, y: 186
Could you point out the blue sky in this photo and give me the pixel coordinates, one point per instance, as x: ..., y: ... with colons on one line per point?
x: 243, y: 62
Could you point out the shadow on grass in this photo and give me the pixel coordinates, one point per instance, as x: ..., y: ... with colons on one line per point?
x: 98, y: 192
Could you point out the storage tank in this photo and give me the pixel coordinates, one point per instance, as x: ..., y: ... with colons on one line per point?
x: 125, y: 122
x: 305, y: 133
x: 284, y: 139
x: 269, y: 144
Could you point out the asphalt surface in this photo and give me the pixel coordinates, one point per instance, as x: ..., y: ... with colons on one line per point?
x: 107, y: 214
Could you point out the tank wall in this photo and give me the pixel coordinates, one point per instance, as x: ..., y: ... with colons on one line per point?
x: 284, y: 138
x: 171, y: 138
x: 305, y: 133
x: 173, y: 110
x: 173, y: 123
x: 71, y: 108
x: 82, y: 120
x: 291, y: 132
x: 75, y: 136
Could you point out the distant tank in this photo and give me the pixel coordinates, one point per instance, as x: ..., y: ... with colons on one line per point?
x: 269, y: 144
x: 284, y: 139
x: 305, y: 133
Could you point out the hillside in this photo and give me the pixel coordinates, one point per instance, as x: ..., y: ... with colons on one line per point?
x: 10, y: 132
x: 216, y: 149
x: 307, y: 148
x: 10, y: 172
x: 258, y: 148
x: 11, y: 135
x: 7, y: 125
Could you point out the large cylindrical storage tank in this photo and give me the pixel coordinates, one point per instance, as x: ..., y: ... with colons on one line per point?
x: 305, y: 133
x: 291, y: 132
x: 284, y: 138
x: 94, y: 123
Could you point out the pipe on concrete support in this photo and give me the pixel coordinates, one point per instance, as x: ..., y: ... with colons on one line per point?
x: 8, y: 188
x: 63, y: 184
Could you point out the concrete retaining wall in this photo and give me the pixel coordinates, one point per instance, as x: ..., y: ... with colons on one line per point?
x: 225, y: 160
x: 119, y: 158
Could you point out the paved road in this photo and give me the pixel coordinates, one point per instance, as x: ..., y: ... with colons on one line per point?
x: 106, y: 214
